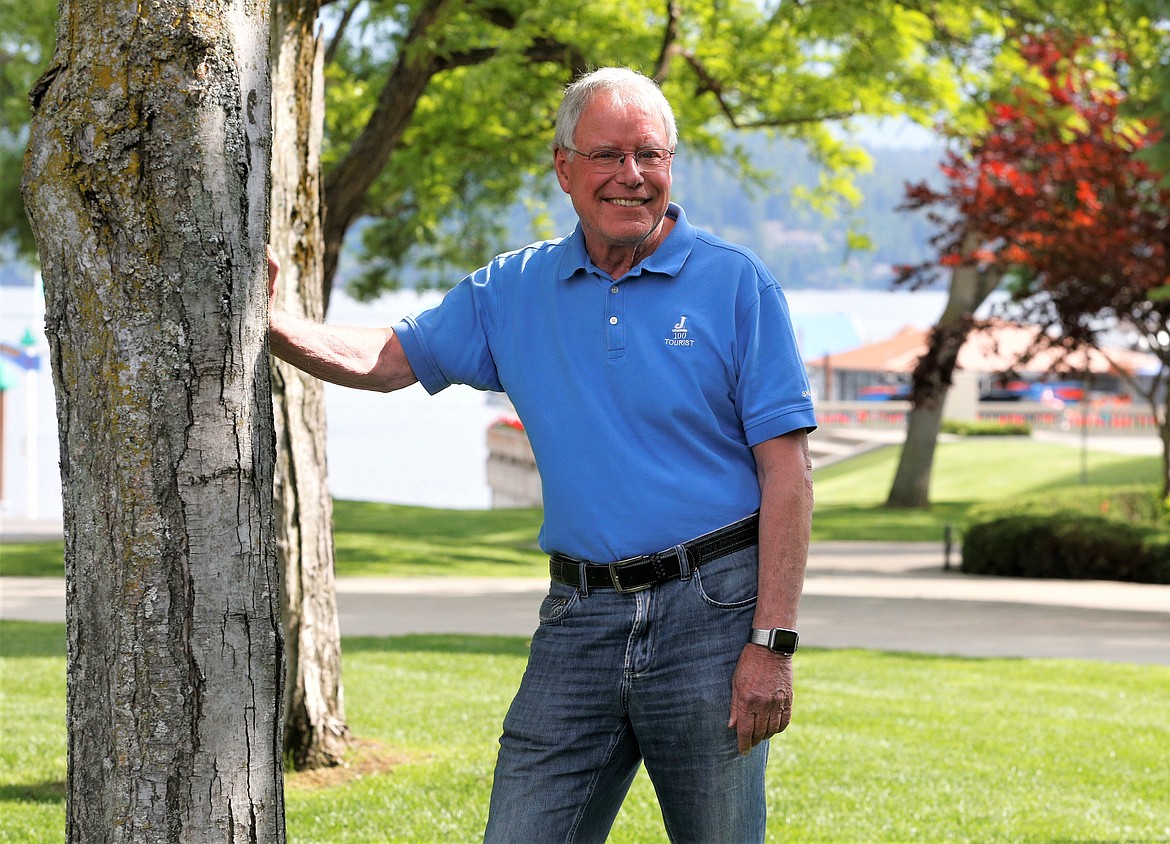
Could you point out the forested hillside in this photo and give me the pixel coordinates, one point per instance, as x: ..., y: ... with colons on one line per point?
x: 802, y: 247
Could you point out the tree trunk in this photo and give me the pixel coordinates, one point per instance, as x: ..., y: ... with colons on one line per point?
x: 1159, y: 401
x: 911, y: 487
x: 314, y: 712
x: 147, y: 186
x: 970, y: 286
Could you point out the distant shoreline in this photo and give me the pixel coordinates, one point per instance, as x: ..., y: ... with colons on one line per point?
x: 407, y: 448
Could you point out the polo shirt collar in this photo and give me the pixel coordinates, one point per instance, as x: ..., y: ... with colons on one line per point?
x: 667, y: 259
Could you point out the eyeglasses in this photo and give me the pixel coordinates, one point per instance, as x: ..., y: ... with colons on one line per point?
x: 610, y: 160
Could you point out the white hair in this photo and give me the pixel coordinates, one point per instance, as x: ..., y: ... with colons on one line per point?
x: 624, y: 86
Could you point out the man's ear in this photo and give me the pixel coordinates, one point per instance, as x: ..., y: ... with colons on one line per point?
x: 561, y: 165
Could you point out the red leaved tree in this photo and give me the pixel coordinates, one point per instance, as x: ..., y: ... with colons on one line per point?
x: 1054, y: 198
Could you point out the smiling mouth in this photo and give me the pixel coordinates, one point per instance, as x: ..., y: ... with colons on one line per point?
x: 628, y: 203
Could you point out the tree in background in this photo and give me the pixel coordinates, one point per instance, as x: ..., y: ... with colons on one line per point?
x: 440, y: 113
x: 970, y: 285
x: 1056, y: 200
x: 1087, y: 241
x: 315, y: 729
x: 26, y: 42
x: 146, y: 183
x: 1147, y: 84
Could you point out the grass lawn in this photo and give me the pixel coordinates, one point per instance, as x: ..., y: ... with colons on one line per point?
x: 850, y: 495
x: 884, y: 747
x: 391, y: 540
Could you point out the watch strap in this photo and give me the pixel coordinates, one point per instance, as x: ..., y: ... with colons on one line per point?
x: 779, y: 640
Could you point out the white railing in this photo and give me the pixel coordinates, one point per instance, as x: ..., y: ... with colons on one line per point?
x: 1110, y: 419
x: 862, y: 414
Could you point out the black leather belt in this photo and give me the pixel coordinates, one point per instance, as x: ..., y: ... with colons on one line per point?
x: 637, y: 573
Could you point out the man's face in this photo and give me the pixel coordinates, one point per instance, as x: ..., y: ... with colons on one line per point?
x: 622, y: 209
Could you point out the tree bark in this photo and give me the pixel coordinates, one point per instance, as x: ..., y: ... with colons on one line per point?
x: 147, y: 186
x: 911, y: 487
x: 970, y: 287
x: 314, y: 712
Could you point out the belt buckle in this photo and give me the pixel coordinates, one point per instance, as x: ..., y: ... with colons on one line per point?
x: 615, y: 579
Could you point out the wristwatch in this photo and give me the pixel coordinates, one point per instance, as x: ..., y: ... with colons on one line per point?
x: 778, y: 640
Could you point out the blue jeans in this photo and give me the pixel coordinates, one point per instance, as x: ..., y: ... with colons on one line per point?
x: 614, y: 680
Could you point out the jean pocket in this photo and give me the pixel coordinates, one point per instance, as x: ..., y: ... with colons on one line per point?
x: 557, y: 603
x: 730, y: 582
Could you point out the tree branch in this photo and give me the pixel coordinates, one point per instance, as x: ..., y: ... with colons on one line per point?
x: 541, y: 50
x: 709, y: 83
x: 342, y: 25
x: 348, y: 183
x: 669, y: 40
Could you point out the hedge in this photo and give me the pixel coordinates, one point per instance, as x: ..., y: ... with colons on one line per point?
x: 1130, y: 503
x: 1099, y: 533
x: 986, y: 428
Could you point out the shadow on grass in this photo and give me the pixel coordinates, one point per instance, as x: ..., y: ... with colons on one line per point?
x: 440, y: 644
x: 33, y: 559
x: 1121, y: 472
x: 878, y: 523
x: 40, y: 639
x: 34, y: 792
x: 31, y: 639
x: 485, y: 526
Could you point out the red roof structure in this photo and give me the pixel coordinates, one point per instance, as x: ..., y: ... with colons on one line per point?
x: 997, y: 348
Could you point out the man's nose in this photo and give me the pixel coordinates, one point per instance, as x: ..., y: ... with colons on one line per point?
x: 628, y: 170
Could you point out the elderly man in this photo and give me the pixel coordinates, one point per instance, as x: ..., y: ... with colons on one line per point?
x: 655, y: 370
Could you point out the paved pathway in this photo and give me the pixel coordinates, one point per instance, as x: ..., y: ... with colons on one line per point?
x: 880, y: 596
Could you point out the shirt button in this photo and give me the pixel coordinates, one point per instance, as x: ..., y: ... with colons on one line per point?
x: 613, y: 320
x: 613, y: 289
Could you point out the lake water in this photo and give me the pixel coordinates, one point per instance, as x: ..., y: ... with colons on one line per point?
x: 404, y: 448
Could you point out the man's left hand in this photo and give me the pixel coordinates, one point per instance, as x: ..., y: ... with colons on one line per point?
x: 761, y: 696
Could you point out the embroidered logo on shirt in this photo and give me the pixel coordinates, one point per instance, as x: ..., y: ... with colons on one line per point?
x: 679, y: 334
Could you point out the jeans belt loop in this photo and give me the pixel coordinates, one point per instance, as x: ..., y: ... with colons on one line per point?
x: 685, y: 568
x: 582, y: 580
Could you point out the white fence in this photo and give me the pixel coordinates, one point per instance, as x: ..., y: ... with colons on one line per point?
x: 1115, y: 420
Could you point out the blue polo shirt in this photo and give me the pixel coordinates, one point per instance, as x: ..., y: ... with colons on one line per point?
x: 641, y: 397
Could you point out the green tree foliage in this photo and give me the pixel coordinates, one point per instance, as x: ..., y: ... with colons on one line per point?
x: 1146, y: 45
x: 491, y: 74
x: 439, y: 111
x: 1058, y: 201
x: 26, y: 43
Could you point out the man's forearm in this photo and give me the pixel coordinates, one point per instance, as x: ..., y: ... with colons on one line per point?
x: 352, y: 356
x: 785, y: 523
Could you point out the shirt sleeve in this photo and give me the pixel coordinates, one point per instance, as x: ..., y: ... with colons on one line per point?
x: 773, y: 394
x: 450, y: 342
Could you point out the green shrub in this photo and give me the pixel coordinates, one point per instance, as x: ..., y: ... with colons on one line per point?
x: 1158, y: 549
x: 1066, y: 545
x: 1099, y: 533
x: 1132, y: 504
x: 986, y: 429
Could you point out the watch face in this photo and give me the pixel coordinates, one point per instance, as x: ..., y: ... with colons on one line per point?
x: 783, y: 641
